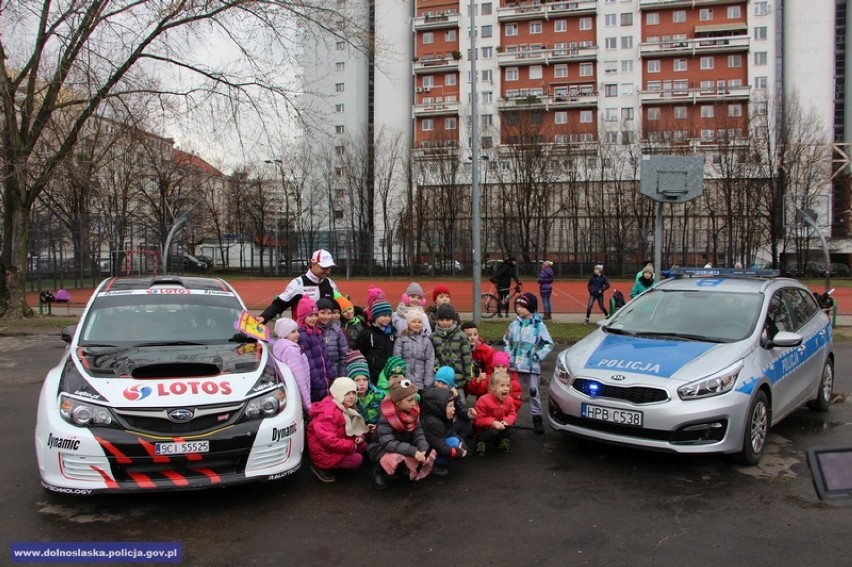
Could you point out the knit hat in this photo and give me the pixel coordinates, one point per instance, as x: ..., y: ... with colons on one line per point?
x: 500, y: 358
x: 356, y: 364
x: 446, y: 311
x: 342, y: 386
x: 305, y: 307
x: 380, y: 307
x: 529, y: 301
x: 344, y: 303
x: 439, y: 289
x: 326, y: 303
x: 414, y: 289
x: 413, y: 315
x: 284, y: 326
x: 374, y: 294
x: 394, y: 365
x: 447, y: 375
x: 400, y: 388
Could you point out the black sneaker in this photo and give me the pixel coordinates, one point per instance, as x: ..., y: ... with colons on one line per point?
x: 538, y: 426
x: 439, y: 471
x: 480, y: 448
x: 378, y: 478
x: 322, y: 474
x: 504, y: 445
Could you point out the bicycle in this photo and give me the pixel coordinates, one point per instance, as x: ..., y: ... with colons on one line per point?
x: 490, y: 300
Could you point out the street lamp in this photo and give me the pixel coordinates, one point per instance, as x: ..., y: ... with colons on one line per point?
x: 278, y: 163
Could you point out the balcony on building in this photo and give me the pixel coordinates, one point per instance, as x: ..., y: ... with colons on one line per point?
x: 430, y: 149
x: 517, y: 10
x: 542, y: 54
x: 446, y: 19
x: 661, y: 4
x: 437, y: 63
x: 692, y: 94
x: 558, y: 98
x: 436, y: 107
x: 720, y: 38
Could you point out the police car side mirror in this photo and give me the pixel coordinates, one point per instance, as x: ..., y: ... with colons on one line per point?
x: 68, y: 333
x: 785, y: 339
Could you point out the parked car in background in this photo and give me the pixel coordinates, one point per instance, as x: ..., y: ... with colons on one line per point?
x: 443, y: 267
x: 206, y: 259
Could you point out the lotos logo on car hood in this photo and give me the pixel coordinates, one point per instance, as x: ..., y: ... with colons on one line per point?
x: 137, y: 392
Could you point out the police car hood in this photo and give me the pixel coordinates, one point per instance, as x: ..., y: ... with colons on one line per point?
x: 669, y: 359
x: 165, y: 376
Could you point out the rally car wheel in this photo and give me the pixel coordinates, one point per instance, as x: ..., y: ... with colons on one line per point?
x: 826, y: 387
x: 756, y: 430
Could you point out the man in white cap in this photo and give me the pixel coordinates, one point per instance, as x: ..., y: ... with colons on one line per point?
x: 315, y: 284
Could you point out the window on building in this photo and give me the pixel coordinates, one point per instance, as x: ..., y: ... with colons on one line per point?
x: 427, y: 125
x: 586, y: 116
x: 428, y: 37
x: 339, y: 150
x: 760, y: 83
x: 610, y: 20
x: 486, y: 31
x: 627, y: 88
x: 680, y: 65
x: 535, y: 28
x: 487, y: 76
x: 760, y: 32
x: 628, y: 136
x: 735, y: 61
x: 707, y: 111
x: 450, y: 79
x: 560, y: 117
x: 652, y: 19
x: 339, y: 87
x: 610, y: 67
x: 611, y: 114
x: 627, y: 113
x: 450, y: 123
x: 707, y: 62
x: 679, y: 16
x: 761, y: 8
x: 339, y: 129
x: 760, y: 58
x: 610, y: 90
x: 486, y: 120
x: 487, y: 97
x: 338, y: 171
x: 341, y: 45
x: 487, y: 52
x: 340, y: 66
x: 338, y: 107
x: 450, y: 35
x: 535, y: 72
x: 627, y: 66
x: 511, y: 30
x: 485, y: 9
x: 707, y: 86
x: 653, y: 65
x: 611, y: 137
x: 428, y: 81
x: 587, y: 137
x: 610, y: 42
x: 653, y: 113
x: 587, y: 69
x: 585, y: 23
x: 734, y: 12
x: 486, y: 142
x: 707, y: 135
x: 654, y: 86
x: 626, y: 41
x: 735, y: 110
x: 627, y: 19
x: 560, y: 71
x: 511, y: 73
x: 705, y: 14
x: 560, y: 139
x: 680, y: 113
x: 560, y: 26
x: 681, y: 86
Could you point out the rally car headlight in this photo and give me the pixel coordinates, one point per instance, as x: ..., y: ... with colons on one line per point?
x: 719, y: 383
x: 268, y: 404
x: 83, y: 414
x: 562, y: 373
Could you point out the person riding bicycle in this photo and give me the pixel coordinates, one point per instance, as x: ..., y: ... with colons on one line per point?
x: 507, y: 272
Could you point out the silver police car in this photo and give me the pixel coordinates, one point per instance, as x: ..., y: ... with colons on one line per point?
x: 705, y: 362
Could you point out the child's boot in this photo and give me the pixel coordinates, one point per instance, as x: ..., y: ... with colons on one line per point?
x: 538, y: 426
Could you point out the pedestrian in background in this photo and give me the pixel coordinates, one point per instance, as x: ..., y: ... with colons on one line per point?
x: 545, y: 287
x: 598, y: 284
x: 644, y: 282
x: 507, y: 272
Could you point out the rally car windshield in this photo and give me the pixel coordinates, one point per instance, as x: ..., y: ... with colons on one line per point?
x: 689, y: 315
x: 160, y: 320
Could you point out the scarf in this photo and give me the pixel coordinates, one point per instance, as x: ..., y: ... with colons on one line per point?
x: 355, y: 424
x: 400, y: 420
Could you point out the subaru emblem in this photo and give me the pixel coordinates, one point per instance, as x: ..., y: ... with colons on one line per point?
x: 181, y: 415
x: 618, y: 377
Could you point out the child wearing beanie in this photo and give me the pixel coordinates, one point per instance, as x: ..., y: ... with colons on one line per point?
x: 440, y: 296
x: 369, y: 396
x: 412, y: 301
x: 395, y: 366
x: 336, y: 342
x: 500, y: 363
x: 437, y: 414
x: 416, y: 349
x: 350, y: 321
x: 376, y: 341
x: 445, y: 379
x: 528, y: 342
x: 286, y: 351
x: 452, y: 347
x: 311, y: 341
x: 495, y: 415
x: 336, y: 431
x: 400, y: 445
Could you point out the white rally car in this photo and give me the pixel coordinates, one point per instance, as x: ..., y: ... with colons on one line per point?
x: 703, y: 364
x: 158, y: 391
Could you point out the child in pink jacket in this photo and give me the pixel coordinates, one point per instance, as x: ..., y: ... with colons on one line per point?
x: 287, y: 351
x: 336, y: 431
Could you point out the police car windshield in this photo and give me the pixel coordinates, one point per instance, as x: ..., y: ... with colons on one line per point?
x: 160, y: 319
x: 692, y: 315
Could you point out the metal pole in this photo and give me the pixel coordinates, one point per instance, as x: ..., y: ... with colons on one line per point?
x: 658, y: 241
x: 812, y: 223
x: 474, y: 178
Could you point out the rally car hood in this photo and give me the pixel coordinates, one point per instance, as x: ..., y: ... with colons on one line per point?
x: 602, y: 354
x: 164, y: 376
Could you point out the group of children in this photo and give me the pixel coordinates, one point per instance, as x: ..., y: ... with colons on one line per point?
x: 393, y: 383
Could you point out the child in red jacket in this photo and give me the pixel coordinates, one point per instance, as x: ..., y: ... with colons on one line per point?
x: 336, y: 431
x: 500, y: 363
x: 482, y: 365
x: 495, y: 415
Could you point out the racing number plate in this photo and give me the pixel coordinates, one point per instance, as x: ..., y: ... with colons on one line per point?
x: 183, y: 448
x: 610, y: 415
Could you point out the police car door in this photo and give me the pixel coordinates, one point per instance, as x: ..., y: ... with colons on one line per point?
x: 785, y: 363
x: 812, y: 325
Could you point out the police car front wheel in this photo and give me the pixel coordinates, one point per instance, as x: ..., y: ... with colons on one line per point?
x: 755, y: 431
x: 822, y: 401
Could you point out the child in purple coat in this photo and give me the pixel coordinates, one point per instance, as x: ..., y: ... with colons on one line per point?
x: 287, y: 351
x: 313, y: 345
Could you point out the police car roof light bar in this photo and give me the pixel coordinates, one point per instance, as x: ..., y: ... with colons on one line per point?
x: 715, y: 272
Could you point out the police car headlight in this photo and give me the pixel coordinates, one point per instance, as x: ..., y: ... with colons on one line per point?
x: 83, y: 414
x: 270, y: 403
x: 719, y: 383
x: 562, y: 373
